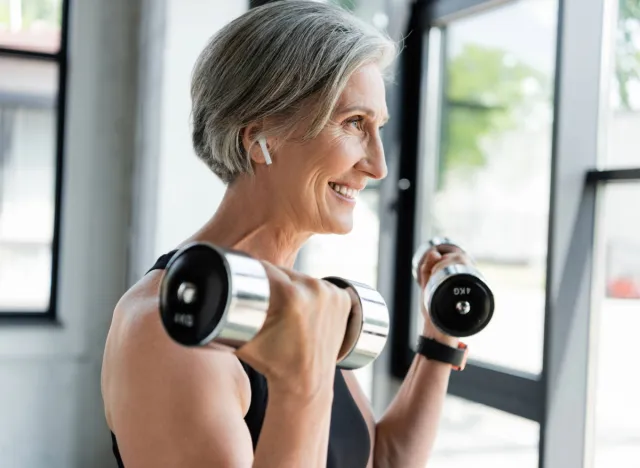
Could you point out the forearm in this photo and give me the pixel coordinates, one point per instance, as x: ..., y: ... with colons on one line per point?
x: 295, y: 431
x: 406, y: 433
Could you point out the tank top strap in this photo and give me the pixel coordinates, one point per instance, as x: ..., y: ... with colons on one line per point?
x: 162, y: 261
x: 258, y: 406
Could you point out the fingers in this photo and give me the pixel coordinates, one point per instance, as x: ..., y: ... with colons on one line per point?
x: 298, y: 287
x: 429, y: 261
x: 347, y: 298
x: 447, y: 248
x: 275, y: 273
x: 455, y: 258
x: 284, y: 277
x: 324, y: 288
x: 282, y: 273
x: 440, y: 257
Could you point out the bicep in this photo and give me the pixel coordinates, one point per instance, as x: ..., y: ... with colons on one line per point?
x: 178, y: 407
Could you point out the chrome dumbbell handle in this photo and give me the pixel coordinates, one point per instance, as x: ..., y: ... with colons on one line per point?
x: 211, y: 295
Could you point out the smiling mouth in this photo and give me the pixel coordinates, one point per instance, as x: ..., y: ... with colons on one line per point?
x: 344, y: 191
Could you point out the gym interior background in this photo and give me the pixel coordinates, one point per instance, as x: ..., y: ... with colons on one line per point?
x: 515, y: 130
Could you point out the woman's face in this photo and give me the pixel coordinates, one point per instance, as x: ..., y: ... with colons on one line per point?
x: 318, y: 181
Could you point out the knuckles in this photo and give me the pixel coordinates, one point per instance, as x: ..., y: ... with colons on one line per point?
x: 433, y: 262
x: 301, y: 293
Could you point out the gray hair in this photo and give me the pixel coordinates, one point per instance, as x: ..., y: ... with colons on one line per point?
x: 284, y: 61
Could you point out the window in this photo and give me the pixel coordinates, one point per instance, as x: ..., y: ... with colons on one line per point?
x: 621, y: 244
x: 490, y: 171
x: 372, y: 11
x: 503, y: 154
x: 475, y: 435
x: 32, y: 70
x: 31, y: 25
x: 617, y: 416
x: 617, y: 268
x: 623, y: 113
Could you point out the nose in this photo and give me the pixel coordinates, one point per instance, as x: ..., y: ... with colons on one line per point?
x: 374, y: 164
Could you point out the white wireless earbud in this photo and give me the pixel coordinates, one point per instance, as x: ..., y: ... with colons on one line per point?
x: 263, y: 144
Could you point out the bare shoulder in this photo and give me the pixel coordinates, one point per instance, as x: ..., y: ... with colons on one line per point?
x: 155, y: 389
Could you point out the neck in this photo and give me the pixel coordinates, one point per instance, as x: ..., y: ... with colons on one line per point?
x: 246, y: 221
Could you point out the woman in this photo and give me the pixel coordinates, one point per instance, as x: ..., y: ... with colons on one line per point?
x: 288, y: 102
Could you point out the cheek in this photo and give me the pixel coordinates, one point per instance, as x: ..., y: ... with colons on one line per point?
x: 328, y: 157
x: 342, y: 153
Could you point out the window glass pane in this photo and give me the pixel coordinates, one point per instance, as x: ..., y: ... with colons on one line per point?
x: 27, y: 183
x: 623, y: 117
x: 617, y: 413
x: 474, y: 435
x: 372, y: 11
x: 492, y: 177
x: 30, y: 24
x: 353, y: 256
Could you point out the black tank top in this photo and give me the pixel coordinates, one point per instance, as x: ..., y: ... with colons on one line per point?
x: 349, y: 442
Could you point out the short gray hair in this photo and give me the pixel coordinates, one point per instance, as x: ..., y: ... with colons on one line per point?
x: 283, y: 61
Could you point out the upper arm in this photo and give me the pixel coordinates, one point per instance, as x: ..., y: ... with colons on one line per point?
x: 173, y: 406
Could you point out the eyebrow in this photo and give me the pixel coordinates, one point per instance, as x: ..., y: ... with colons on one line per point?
x: 365, y: 110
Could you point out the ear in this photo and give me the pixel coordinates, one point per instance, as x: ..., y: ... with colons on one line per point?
x: 254, y: 148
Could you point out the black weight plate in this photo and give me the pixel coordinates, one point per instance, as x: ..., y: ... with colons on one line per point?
x: 462, y: 287
x: 204, y: 267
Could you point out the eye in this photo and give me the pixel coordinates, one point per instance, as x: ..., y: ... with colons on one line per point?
x: 356, y: 122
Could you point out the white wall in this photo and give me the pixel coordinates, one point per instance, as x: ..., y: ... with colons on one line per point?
x: 188, y: 192
x: 130, y: 181
x: 185, y: 193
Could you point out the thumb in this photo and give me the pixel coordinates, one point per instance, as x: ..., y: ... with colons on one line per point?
x: 429, y: 261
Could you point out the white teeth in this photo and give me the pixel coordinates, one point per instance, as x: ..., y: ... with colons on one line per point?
x: 344, y: 191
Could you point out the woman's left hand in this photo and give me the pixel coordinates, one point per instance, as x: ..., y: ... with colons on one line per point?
x: 434, y: 260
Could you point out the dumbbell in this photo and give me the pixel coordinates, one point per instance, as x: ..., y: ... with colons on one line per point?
x: 458, y: 299
x: 210, y: 295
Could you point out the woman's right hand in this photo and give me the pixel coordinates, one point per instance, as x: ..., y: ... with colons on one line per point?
x: 298, y: 345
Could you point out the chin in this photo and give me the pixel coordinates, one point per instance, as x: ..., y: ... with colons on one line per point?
x: 337, y: 215
x: 340, y: 225
x: 342, y: 230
